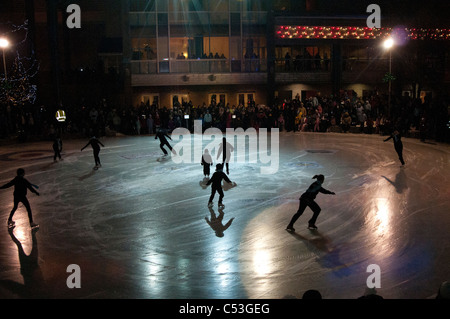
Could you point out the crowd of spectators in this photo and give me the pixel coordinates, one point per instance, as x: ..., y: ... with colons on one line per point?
x: 424, y: 118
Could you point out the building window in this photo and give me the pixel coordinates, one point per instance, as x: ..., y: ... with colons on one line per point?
x: 246, y: 99
x: 179, y: 99
x: 142, y: 5
x: 217, y: 98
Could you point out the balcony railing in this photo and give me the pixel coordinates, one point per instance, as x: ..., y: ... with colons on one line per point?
x: 198, y: 66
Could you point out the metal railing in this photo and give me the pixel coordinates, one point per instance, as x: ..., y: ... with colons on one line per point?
x: 198, y: 66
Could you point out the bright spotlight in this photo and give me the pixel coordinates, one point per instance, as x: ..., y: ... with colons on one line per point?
x: 388, y: 43
x: 4, y: 43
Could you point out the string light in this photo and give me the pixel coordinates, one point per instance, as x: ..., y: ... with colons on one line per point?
x: 342, y: 32
x: 18, y: 88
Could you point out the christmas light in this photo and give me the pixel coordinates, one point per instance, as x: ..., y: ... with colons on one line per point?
x: 17, y: 88
x: 342, y: 32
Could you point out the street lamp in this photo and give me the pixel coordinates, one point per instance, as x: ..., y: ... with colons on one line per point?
x: 4, y: 43
x: 388, y: 44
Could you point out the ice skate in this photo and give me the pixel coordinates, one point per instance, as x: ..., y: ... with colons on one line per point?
x: 34, y: 226
x: 210, y: 204
x: 289, y: 228
x: 221, y: 206
x: 11, y: 224
x: 312, y: 227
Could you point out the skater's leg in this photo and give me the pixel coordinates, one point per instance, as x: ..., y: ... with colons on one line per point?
x: 301, y: 208
x: 316, y: 210
x: 221, y: 195
x: 399, y: 151
x: 213, y: 192
x: 13, y: 210
x: 163, y: 149
x: 171, y: 149
x: 98, y: 158
x: 28, y: 207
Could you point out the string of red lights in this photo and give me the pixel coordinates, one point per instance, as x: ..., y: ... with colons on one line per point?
x: 342, y: 32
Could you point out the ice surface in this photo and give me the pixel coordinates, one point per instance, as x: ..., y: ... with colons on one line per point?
x: 137, y: 227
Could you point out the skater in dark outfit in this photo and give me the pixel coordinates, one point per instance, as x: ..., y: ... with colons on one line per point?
x: 57, y: 148
x: 206, y: 163
x: 225, y: 149
x: 307, y: 200
x: 398, y: 145
x: 163, y: 141
x: 95, y: 143
x: 20, y: 195
x: 216, y: 181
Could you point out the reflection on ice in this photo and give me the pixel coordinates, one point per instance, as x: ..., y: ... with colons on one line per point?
x: 137, y: 227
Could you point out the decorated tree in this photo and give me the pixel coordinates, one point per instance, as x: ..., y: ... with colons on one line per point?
x: 16, y: 82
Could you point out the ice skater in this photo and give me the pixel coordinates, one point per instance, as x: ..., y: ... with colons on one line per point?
x: 216, y: 181
x: 57, y: 148
x: 398, y: 145
x: 20, y: 196
x: 225, y: 150
x: 206, y: 162
x: 161, y: 134
x: 307, y: 200
x: 95, y: 144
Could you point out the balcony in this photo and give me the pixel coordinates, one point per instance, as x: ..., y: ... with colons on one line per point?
x: 199, y: 66
x: 302, y: 70
x: 198, y: 72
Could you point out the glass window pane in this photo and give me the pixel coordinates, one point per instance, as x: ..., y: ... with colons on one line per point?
x: 161, y: 5
x: 235, y: 5
x: 142, y: 5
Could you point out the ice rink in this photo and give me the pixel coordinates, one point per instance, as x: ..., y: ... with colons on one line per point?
x: 140, y: 228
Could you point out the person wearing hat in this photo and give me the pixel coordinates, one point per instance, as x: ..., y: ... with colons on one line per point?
x: 216, y: 181
x: 20, y: 196
x: 307, y: 200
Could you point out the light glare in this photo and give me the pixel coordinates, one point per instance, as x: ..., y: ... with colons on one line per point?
x: 388, y: 43
x: 4, y: 43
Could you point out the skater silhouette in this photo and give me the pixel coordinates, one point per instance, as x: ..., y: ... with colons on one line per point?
x: 57, y: 148
x: 216, y: 222
x: 307, y: 200
x: 206, y: 163
x: 20, y: 196
x: 161, y: 135
x: 95, y: 144
x: 225, y: 150
x: 216, y: 181
x: 398, y: 145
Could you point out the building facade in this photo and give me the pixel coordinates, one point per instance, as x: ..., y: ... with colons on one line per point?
x: 232, y: 51
x: 241, y: 51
